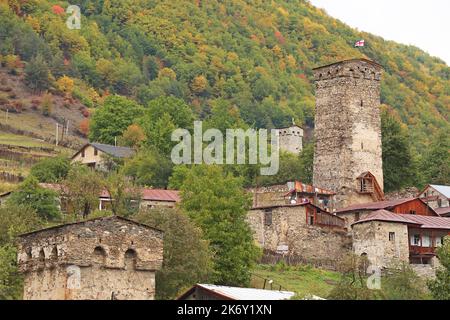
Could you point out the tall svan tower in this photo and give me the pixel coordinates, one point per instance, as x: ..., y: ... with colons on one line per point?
x: 347, y: 156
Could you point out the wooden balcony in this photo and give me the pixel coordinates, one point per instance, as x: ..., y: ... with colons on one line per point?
x: 418, y: 250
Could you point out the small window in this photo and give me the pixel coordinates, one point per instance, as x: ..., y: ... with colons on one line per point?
x: 416, y: 240
x: 412, y: 211
x: 95, y: 152
x: 391, y: 236
x: 82, y: 153
x: 362, y: 103
x: 268, y: 217
x: 362, y: 146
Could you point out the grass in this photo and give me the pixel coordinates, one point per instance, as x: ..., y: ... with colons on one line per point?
x: 22, y: 141
x: 303, y: 280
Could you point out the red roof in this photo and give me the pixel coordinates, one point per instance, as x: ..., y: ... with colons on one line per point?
x: 443, y: 211
x: 424, y: 222
x: 375, y: 205
x: 153, y: 195
x: 161, y: 195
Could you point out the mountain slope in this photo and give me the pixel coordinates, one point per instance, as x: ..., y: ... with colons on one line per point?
x: 257, y: 55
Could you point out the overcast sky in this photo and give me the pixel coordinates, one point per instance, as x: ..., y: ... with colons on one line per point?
x: 423, y: 23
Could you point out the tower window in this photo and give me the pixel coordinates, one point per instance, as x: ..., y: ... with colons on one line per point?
x: 362, y: 103
x: 362, y: 146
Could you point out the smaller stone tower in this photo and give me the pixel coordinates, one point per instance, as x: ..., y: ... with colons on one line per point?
x: 110, y: 258
x: 291, y: 139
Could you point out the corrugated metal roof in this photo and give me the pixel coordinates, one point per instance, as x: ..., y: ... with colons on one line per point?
x: 153, y: 195
x: 236, y: 293
x: 115, y: 151
x: 375, y: 205
x: 424, y: 222
x: 444, y: 190
x: 442, y: 211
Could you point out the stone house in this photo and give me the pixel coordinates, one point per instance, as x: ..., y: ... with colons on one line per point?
x: 437, y: 197
x: 347, y: 154
x: 290, y: 139
x: 413, y: 206
x: 301, y: 231
x: 385, y: 237
x: 99, y: 259
x: 101, y: 156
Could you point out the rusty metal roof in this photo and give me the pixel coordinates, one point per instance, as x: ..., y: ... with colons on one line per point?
x: 423, y: 222
x: 306, y: 188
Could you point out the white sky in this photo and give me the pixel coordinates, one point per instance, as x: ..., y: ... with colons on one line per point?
x: 423, y: 23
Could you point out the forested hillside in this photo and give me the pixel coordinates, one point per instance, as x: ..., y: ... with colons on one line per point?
x: 257, y: 55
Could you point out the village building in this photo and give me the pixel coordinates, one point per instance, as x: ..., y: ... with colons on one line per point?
x: 386, y: 238
x: 215, y: 292
x: 290, y: 139
x: 301, y: 193
x: 99, y: 259
x: 413, y: 206
x: 150, y: 198
x: 292, y: 192
x: 302, y: 232
x: 101, y: 156
x: 437, y: 197
x: 347, y: 154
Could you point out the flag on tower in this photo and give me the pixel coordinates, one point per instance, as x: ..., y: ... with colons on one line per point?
x: 359, y: 43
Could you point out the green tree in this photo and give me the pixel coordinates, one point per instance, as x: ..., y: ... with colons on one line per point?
x: 398, y: 165
x: 218, y: 204
x: 187, y: 258
x: 149, y: 168
x: 440, y: 287
x: 82, y: 189
x: 125, y: 197
x: 402, y: 283
x: 113, y: 118
x: 30, y: 194
x: 436, y: 162
x: 37, y: 74
x: 51, y: 169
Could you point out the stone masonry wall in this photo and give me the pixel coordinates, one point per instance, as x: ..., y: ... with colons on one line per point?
x: 347, y: 128
x: 289, y: 228
x: 105, y: 258
x: 372, y: 238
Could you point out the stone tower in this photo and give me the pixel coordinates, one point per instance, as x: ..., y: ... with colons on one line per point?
x: 347, y: 156
x: 291, y: 139
x: 109, y: 258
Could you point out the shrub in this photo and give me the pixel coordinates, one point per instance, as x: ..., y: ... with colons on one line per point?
x: 47, y: 104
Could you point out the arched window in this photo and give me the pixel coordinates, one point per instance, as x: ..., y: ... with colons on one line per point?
x: 29, y: 253
x: 99, y: 255
x: 130, y: 259
x: 41, y: 255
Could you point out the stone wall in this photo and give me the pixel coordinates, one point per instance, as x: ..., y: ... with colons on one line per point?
x: 372, y: 238
x: 105, y: 258
x: 289, y: 229
x: 269, y: 195
x: 347, y: 128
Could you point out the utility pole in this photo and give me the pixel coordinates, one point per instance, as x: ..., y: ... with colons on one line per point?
x: 56, y: 138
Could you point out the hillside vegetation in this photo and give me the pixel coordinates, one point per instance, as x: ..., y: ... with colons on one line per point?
x: 256, y: 55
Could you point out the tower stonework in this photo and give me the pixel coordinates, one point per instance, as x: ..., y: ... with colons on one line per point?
x: 291, y: 139
x: 110, y: 258
x: 347, y: 156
